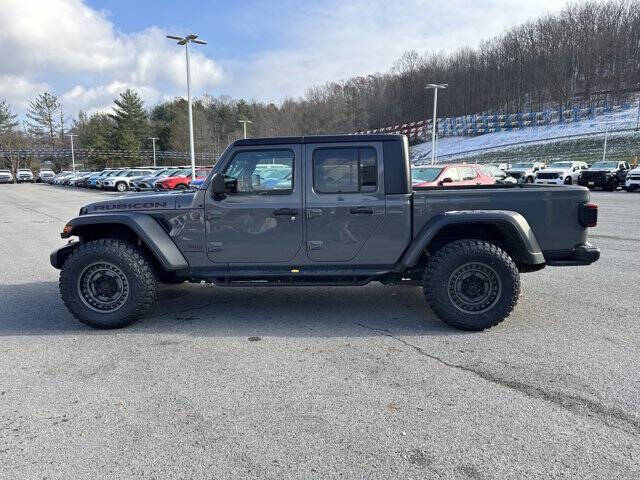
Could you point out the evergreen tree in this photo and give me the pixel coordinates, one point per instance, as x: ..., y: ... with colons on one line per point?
x: 130, y: 129
x: 43, y: 117
x: 7, y: 118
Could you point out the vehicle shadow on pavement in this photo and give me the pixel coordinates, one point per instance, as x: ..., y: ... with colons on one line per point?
x: 205, y: 310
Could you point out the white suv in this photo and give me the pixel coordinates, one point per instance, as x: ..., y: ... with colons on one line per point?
x: 5, y: 176
x: 24, y: 175
x: 525, y: 172
x: 120, y: 181
x: 633, y: 180
x: 561, y: 173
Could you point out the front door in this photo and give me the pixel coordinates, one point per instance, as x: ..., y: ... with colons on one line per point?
x: 259, y: 220
x: 345, y: 201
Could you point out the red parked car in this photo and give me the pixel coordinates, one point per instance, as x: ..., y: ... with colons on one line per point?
x: 453, y: 174
x: 181, y: 180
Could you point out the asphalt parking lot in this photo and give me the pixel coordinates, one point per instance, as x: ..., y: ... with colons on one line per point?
x: 359, y: 382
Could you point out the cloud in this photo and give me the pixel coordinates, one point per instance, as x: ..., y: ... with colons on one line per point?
x: 18, y: 90
x: 69, y: 41
x: 69, y: 47
x: 333, y: 40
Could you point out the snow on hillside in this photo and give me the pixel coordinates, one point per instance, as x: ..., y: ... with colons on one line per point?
x: 452, y: 147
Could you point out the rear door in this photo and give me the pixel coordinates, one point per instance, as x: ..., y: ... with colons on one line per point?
x: 345, y: 199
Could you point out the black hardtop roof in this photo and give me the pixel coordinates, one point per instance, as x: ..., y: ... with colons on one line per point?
x: 318, y: 139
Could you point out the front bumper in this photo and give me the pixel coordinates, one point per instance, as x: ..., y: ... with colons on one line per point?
x: 549, y: 181
x: 59, y: 255
x: 581, y: 255
x: 598, y: 182
x: 632, y: 182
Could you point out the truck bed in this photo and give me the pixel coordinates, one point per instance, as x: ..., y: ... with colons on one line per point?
x: 551, y: 211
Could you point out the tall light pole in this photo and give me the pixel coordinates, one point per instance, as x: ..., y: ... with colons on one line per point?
x: 638, y: 116
x: 185, y: 41
x: 244, y: 126
x: 153, y: 140
x: 435, y: 87
x: 73, y: 157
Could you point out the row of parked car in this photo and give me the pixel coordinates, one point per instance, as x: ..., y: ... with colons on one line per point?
x: 23, y: 175
x: 136, y: 179
x: 608, y: 175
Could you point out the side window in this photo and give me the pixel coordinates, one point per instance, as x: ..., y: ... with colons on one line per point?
x: 345, y: 170
x: 260, y: 172
x: 453, y: 174
x: 467, y: 173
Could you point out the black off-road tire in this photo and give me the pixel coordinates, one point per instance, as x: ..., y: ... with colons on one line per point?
x: 454, y: 257
x: 132, y: 261
x: 181, y: 186
x: 568, y: 181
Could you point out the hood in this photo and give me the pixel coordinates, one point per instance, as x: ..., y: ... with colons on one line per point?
x: 635, y: 171
x: 160, y: 201
x: 556, y: 170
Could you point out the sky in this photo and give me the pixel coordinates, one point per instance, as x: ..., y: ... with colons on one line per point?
x: 87, y: 51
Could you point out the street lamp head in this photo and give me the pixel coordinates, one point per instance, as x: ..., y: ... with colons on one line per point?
x: 435, y: 85
x: 184, y: 40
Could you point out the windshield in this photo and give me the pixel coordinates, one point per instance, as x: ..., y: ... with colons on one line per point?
x: 606, y: 165
x: 425, y: 174
x: 523, y: 165
x: 561, y: 165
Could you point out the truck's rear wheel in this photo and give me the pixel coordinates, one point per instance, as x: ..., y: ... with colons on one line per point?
x: 108, y: 283
x: 471, y: 284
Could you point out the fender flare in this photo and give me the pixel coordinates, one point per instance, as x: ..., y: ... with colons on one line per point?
x: 515, y: 222
x: 152, y: 235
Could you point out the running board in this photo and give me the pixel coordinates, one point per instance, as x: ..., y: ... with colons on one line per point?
x: 290, y: 277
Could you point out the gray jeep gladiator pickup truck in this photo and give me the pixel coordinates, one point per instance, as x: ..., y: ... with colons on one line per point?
x: 327, y: 211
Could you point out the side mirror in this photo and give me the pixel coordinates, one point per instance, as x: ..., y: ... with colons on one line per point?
x: 445, y: 180
x: 218, y: 186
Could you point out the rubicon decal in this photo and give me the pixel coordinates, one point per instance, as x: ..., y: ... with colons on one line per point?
x: 130, y: 206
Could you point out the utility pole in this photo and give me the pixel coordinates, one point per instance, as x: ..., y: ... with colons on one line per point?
x: 604, y: 150
x: 73, y: 157
x: 185, y: 41
x: 435, y: 87
x: 153, y: 140
x: 244, y: 126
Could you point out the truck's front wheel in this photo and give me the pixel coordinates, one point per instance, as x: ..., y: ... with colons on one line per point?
x: 108, y: 283
x: 471, y: 284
